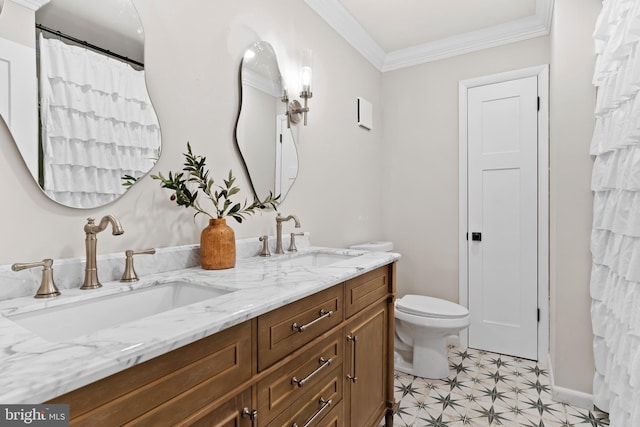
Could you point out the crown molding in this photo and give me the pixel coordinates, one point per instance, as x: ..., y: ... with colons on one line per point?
x: 341, y: 20
x: 31, y: 4
x: 335, y: 14
x: 521, y: 29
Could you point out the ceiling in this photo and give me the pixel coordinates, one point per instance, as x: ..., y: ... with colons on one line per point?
x: 395, y: 34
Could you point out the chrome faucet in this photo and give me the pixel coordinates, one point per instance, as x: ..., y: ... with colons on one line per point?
x: 91, y: 230
x: 279, y: 220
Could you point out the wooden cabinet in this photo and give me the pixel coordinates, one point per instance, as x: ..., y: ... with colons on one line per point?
x: 235, y: 412
x: 283, y: 331
x: 325, y: 360
x: 364, y: 290
x: 292, y: 380
x: 311, y: 408
x: 366, y: 366
x: 168, y: 388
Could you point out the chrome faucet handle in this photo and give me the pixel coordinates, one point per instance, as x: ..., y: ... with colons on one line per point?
x: 48, y: 288
x: 292, y: 243
x: 129, y: 274
x: 265, y: 245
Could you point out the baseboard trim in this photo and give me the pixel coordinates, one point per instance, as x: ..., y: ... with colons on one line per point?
x: 567, y: 395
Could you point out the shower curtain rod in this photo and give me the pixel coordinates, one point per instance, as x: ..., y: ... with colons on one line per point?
x: 89, y: 45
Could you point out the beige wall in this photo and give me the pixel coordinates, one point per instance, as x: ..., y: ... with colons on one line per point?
x: 571, y: 125
x: 193, y: 52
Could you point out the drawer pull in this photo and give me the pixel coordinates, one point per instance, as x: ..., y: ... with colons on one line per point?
x: 323, y: 315
x: 252, y: 415
x: 325, y: 404
x: 323, y: 364
x: 354, y: 339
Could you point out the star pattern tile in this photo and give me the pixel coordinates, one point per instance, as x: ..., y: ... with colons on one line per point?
x: 485, y: 389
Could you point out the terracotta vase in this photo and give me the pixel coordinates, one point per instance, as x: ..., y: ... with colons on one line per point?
x: 217, y: 245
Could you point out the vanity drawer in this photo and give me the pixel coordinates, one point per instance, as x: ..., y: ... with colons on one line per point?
x: 278, y: 391
x: 364, y: 290
x: 170, y: 386
x: 315, y: 404
x: 283, y: 331
x: 335, y: 418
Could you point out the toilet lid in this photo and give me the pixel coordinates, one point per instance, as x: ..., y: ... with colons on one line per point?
x: 420, y: 305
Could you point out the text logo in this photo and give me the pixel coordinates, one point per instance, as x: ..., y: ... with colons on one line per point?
x: 34, y: 415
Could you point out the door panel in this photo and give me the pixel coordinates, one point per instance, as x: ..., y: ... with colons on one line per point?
x: 502, y: 203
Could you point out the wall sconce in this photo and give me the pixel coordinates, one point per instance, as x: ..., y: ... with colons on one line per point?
x: 294, y: 109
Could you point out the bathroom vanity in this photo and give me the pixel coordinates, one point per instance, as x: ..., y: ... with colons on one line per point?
x: 304, y: 339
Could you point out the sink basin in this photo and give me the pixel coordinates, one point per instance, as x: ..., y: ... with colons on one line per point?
x: 317, y: 259
x: 76, y: 319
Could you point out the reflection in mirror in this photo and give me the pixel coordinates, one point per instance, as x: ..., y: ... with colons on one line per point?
x: 97, y: 122
x: 263, y: 137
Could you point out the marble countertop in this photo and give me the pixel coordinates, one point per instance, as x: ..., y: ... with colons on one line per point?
x: 35, y: 370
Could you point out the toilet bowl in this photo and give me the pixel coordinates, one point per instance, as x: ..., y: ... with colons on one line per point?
x: 423, y: 325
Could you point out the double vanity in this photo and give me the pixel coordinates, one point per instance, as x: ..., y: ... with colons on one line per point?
x: 300, y: 339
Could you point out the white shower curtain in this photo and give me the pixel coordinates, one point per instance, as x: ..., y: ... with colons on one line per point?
x: 615, y: 240
x: 97, y: 124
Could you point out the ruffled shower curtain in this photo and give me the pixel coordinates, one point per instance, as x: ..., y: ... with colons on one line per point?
x: 615, y: 240
x: 97, y: 124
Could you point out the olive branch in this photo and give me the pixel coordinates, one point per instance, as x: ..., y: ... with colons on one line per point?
x: 194, y: 178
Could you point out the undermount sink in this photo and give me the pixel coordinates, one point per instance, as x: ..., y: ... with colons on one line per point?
x: 76, y: 319
x: 317, y: 259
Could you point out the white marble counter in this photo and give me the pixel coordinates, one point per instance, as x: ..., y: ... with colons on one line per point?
x: 35, y: 370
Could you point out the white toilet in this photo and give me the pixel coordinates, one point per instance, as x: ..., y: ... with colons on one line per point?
x: 423, y: 325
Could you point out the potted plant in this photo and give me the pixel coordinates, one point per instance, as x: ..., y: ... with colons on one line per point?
x: 217, y: 240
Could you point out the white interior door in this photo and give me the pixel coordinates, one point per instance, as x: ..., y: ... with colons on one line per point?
x: 503, y: 217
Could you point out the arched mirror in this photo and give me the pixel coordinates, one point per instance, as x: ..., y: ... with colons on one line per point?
x: 264, y: 139
x: 98, y: 130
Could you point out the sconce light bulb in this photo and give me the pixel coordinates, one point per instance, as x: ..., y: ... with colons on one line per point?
x: 306, y: 78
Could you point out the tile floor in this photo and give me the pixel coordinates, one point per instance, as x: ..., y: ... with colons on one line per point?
x: 486, y: 389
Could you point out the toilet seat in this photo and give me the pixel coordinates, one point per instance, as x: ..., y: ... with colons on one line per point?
x: 423, y: 306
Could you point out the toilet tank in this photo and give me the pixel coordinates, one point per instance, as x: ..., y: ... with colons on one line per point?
x: 374, y: 246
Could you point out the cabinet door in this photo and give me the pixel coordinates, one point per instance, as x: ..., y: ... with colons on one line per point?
x: 234, y: 413
x: 362, y: 291
x: 366, y: 366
